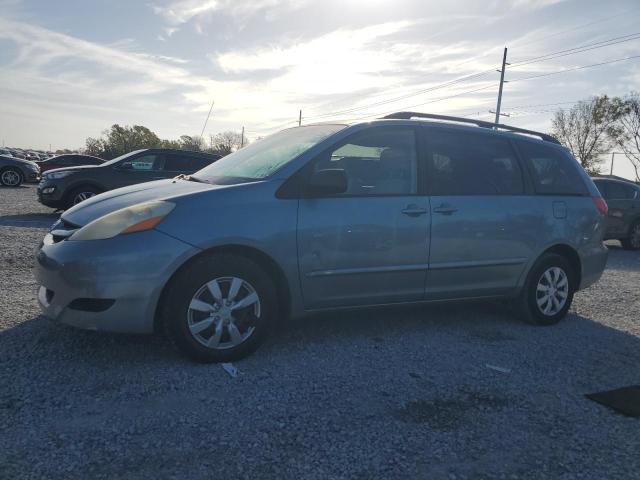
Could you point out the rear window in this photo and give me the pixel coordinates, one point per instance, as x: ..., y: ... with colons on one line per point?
x: 553, y: 172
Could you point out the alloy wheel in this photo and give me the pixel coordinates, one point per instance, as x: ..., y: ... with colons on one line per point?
x: 82, y: 196
x: 223, y: 313
x: 11, y: 178
x: 552, y: 291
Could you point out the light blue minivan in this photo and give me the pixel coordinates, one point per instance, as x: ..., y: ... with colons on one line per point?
x: 409, y: 208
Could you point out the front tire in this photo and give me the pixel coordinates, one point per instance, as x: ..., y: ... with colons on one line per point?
x: 80, y: 194
x: 11, y: 177
x: 632, y: 242
x: 548, y: 291
x: 219, y: 308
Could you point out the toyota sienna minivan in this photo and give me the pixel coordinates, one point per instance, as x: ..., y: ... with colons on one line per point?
x: 409, y: 208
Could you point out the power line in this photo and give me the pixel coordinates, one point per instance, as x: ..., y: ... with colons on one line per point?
x: 391, y: 100
x: 574, y: 69
x: 575, y: 50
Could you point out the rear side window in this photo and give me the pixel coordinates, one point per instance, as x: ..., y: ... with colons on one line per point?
x: 618, y: 191
x: 553, y: 172
x: 463, y: 163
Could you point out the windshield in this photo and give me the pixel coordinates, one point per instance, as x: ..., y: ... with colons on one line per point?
x: 264, y: 157
x: 121, y: 157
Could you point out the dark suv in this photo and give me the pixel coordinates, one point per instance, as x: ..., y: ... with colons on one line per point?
x: 65, y: 187
x: 623, y: 221
x: 68, y: 160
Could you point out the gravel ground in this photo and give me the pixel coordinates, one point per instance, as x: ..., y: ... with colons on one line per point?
x: 393, y: 393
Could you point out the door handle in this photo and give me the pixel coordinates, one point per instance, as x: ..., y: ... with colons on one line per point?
x: 445, y: 209
x: 414, y: 211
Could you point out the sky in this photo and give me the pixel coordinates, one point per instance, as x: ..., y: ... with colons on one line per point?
x: 69, y: 69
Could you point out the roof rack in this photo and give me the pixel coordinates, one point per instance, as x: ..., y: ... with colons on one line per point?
x: 478, y: 123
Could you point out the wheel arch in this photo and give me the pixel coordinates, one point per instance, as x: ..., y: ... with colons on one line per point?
x: 262, y: 259
x: 571, y: 254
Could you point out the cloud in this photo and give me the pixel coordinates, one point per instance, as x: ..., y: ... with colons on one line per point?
x: 177, y: 12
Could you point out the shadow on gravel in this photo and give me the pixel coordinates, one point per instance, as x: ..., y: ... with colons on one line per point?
x: 29, y: 220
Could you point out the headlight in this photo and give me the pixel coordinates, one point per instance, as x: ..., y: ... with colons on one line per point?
x: 55, y: 175
x: 136, y: 218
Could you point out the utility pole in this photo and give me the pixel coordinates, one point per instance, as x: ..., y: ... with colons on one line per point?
x: 242, y: 138
x: 504, y: 64
x: 300, y: 119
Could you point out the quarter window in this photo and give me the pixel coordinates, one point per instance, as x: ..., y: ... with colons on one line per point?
x: 145, y: 162
x: 376, y: 161
x: 463, y: 163
x: 554, y: 173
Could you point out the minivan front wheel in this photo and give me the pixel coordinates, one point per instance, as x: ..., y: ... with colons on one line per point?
x: 548, y: 291
x: 219, y: 308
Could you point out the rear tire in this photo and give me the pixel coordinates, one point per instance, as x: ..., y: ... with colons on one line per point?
x: 548, y: 291
x: 11, y: 177
x: 78, y: 195
x: 632, y: 242
x: 205, y: 318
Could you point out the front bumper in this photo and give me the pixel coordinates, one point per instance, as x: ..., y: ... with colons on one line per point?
x: 126, y: 274
x: 54, y: 194
x: 31, y: 176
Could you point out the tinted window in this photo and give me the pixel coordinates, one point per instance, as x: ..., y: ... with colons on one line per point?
x: 377, y: 161
x: 177, y: 163
x: 553, y: 172
x: 463, y: 163
x: 618, y: 191
x: 146, y: 162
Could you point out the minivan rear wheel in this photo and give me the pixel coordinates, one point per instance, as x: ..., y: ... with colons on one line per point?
x: 219, y: 308
x: 548, y: 290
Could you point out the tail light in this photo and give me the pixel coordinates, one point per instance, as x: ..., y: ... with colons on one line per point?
x: 601, y: 205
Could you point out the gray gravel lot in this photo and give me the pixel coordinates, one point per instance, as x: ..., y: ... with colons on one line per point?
x: 391, y: 393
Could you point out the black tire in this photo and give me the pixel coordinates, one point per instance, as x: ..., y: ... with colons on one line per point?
x: 632, y: 242
x: 14, y: 173
x: 175, y: 307
x: 72, y: 196
x: 527, y: 303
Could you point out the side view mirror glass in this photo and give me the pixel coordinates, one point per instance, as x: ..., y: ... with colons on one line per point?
x: 125, y: 166
x: 330, y: 181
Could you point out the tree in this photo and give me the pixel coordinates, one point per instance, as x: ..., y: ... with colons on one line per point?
x: 119, y: 140
x: 584, y: 129
x: 227, y: 142
x: 625, y: 132
x: 194, y: 143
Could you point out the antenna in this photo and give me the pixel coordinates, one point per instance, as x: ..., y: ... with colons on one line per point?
x: 207, y: 119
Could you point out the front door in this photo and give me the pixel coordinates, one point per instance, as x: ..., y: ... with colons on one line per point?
x: 483, y: 227
x: 139, y: 169
x: 370, y: 244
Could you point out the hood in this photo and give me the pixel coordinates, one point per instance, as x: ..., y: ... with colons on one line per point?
x: 113, y: 200
x: 71, y: 169
x: 15, y: 161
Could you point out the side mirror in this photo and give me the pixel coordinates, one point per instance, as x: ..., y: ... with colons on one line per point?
x: 125, y: 166
x: 330, y: 181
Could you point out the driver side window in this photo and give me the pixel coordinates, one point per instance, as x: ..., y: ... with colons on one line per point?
x: 377, y: 162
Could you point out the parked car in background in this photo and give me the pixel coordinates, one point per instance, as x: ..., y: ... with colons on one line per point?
x: 5, y: 152
x: 623, y: 220
x: 68, y: 160
x: 66, y: 187
x: 15, y: 171
x: 318, y: 217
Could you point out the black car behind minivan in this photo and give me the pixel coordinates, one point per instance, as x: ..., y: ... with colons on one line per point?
x: 66, y: 187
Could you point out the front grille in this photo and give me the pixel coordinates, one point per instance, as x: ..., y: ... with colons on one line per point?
x: 92, y: 304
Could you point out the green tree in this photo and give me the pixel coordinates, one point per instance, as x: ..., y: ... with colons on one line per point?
x: 625, y: 132
x: 584, y: 129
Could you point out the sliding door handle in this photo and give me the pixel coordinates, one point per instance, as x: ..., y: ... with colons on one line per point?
x: 414, y: 211
x: 445, y: 210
